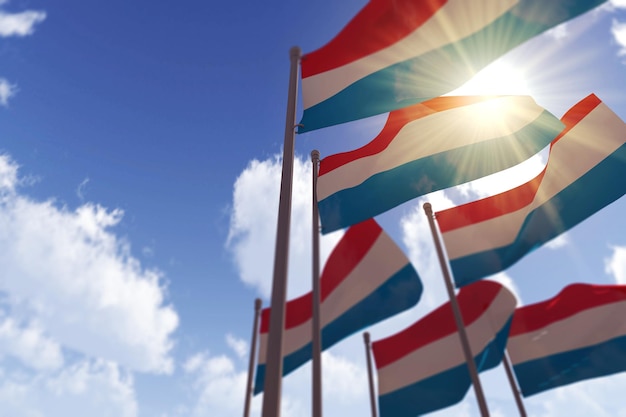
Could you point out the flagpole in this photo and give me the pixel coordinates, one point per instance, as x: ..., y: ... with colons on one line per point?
x: 509, y: 374
x: 274, y: 363
x: 370, y: 377
x: 467, y: 350
x: 255, y: 331
x: 316, y: 328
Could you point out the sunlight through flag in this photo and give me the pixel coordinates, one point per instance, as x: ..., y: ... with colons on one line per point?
x: 393, y: 54
x: 427, y: 147
x: 579, y: 334
x: 423, y: 369
x: 584, y: 173
x: 366, y: 279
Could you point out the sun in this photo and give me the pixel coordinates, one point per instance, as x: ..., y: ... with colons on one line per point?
x: 499, y: 78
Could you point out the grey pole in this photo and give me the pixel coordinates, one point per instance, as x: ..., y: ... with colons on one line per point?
x: 509, y: 374
x: 316, y: 328
x: 370, y: 376
x: 255, y: 331
x: 467, y: 351
x: 274, y: 362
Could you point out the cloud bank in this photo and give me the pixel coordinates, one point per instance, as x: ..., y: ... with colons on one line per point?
x: 21, y: 23
x: 252, y: 233
x: 69, y: 282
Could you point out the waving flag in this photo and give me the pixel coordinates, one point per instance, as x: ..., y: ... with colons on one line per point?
x: 395, y: 53
x: 577, y: 335
x: 584, y: 173
x: 366, y: 279
x: 427, y: 147
x: 423, y: 368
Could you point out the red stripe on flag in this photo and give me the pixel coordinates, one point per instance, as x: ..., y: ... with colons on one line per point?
x: 489, y: 208
x: 380, y: 24
x: 571, y: 300
x: 349, y: 252
x: 396, y: 120
x: 577, y: 113
x: 473, y: 300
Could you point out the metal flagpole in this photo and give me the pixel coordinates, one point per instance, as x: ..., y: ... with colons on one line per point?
x: 316, y: 328
x: 509, y: 374
x: 467, y: 350
x: 370, y: 377
x: 274, y: 362
x: 255, y: 331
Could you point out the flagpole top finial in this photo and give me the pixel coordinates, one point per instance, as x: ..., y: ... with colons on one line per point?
x: 295, y: 52
x: 428, y: 209
x: 315, y: 155
x: 257, y: 304
x: 366, y: 337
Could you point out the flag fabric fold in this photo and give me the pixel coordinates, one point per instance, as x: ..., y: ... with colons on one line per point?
x: 366, y: 279
x: 427, y: 147
x: 577, y: 335
x: 393, y: 54
x: 583, y: 175
x: 423, y: 369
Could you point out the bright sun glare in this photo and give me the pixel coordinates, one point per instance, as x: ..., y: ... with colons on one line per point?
x: 499, y: 79
x: 496, y: 79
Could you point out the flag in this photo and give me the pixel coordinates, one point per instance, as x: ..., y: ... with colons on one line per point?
x: 423, y: 368
x: 429, y: 146
x: 366, y: 279
x: 577, y: 335
x: 584, y: 173
x: 395, y: 53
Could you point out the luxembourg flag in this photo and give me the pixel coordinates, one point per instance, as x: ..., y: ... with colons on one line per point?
x: 395, y: 53
x: 577, y: 335
x: 366, y: 279
x: 423, y: 368
x: 584, y: 173
x: 427, y: 147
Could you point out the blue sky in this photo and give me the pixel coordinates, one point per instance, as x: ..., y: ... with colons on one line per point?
x: 139, y: 176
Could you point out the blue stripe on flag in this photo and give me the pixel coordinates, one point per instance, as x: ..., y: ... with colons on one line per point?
x: 565, y: 368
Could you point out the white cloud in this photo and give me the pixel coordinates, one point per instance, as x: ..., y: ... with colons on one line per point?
x: 558, y: 32
x: 96, y: 389
x: 68, y: 273
x: 80, y: 190
x: 7, y: 90
x: 20, y: 24
x: 616, y: 264
x: 8, y: 175
x: 239, y: 346
x: 558, y: 242
x: 29, y: 344
x: 618, y: 3
x: 344, y: 381
x: 252, y: 233
x: 220, y: 385
x: 618, y: 29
